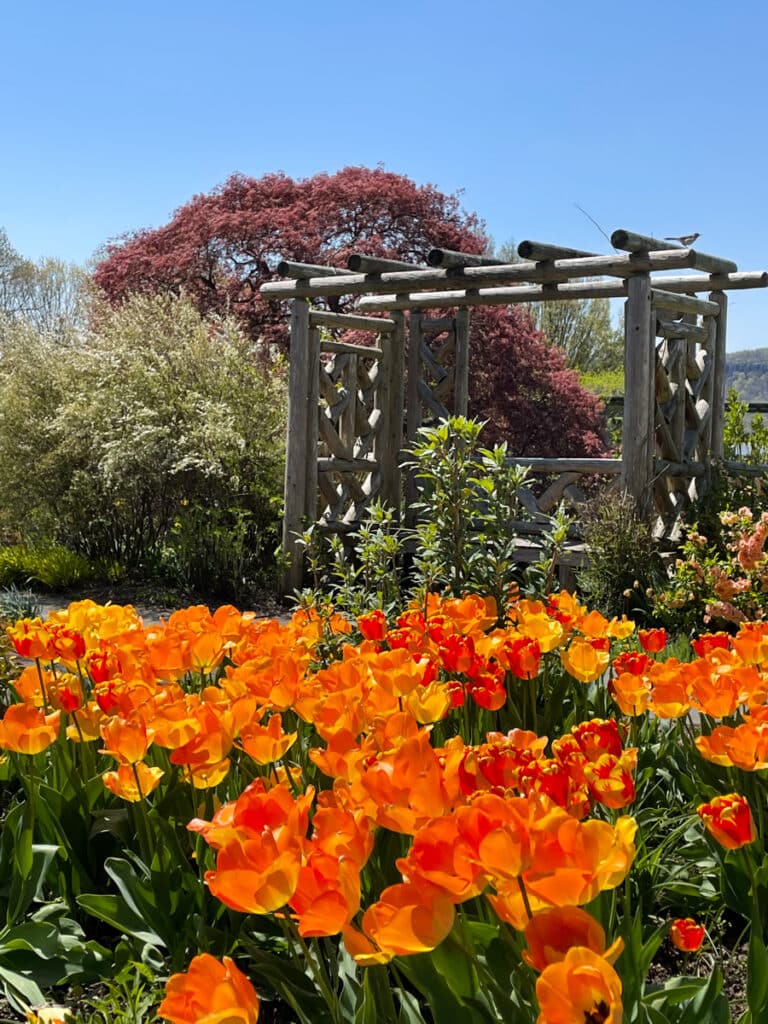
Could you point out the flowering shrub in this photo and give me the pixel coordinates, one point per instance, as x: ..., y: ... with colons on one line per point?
x: 411, y: 817
x: 109, y: 441
x: 723, y: 584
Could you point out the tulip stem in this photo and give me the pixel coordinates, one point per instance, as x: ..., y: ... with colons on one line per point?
x: 320, y: 975
x: 46, y: 705
x: 524, y: 894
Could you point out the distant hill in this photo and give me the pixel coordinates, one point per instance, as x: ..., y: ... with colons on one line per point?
x: 747, y: 372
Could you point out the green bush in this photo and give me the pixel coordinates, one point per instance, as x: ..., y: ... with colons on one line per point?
x: 226, y: 552
x: 105, y: 438
x: 624, y: 562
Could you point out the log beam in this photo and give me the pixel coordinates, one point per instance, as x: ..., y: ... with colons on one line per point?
x: 327, y: 345
x: 683, y: 303
x: 538, y: 251
x: 350, y: 322
x: 632, y: 242
x: 497, y: 296
x: 680, y: 329
x: 402, y: 281
x: 584, y: 466
x: 449, y: 258
x: 303, y: 271
x: 360, y: 264
x: 714, y: 282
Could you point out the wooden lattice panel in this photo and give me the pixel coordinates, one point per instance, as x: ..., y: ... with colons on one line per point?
x: 683, y: 400
x: 349, y: 422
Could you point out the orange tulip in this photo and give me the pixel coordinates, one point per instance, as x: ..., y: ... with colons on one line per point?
x: 582, y: 988
x: 25, y: 729
x: 342, y: 833
x: 620, y: 629
x: 745, y: 746
x: 631, y: 692
x: 751, y: 643
x: 532, y: 621
x: 709, y: 642
x: 207, y: 775
x: 127, y: 740
x: 327, y: 894
x: 206, y: 652
x: 566, y: 609
x: 210, y: 993
x: 471, y: 613
x: 267, y: 743
x: 28, y: 687
x: 88, y: 724
x: 610, y: 779
x: 670, y: 693
x: 594, y: 624
x: 373, y: 624
x: 634, y: 662
x: 571, y: 862
x: 585, y: 660
x: 686, y: 935
x: 728, y: 819
x: 213, y: 740
x: 407, y: 786
x: 441, y: 858
x: 652, y: 640
x: 32, y: 639
x: 551, y: 933
x: 407, y: 919
x: 598, y: 736
x: 253, y: 874
x: 133, y: 782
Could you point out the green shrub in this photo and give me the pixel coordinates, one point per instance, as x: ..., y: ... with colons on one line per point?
x: 226, y: 552
x: 104, y: 438
x: 463, y: 540
x: 624, y: 562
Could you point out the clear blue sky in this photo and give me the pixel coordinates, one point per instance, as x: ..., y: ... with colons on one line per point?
x: 650, y: 115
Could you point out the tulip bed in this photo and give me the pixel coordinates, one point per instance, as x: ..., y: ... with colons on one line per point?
x: 453, y: 814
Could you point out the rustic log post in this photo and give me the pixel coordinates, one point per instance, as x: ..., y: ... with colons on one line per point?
x: 413, y: 410
x: 390, y: 398
x: 718, y: 371
x: 313, y: 425
x: 295, y: 491
x: 638, y: 440
x: 461, y: 366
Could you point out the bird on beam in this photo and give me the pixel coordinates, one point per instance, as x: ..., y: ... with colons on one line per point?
x: 683, y: 239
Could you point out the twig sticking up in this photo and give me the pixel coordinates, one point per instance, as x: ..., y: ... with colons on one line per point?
x: 591, y: 218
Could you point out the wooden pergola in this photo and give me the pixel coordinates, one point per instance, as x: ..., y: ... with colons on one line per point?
x: 353, y: 409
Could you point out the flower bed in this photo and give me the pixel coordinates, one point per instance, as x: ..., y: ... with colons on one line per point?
x: 409, y: 819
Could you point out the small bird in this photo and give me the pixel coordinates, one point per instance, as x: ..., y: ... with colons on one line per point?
x: 683, y: 239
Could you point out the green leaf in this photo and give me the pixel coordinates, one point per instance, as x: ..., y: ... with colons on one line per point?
x: 757, y: 975
x: 20, y: 991
x: 288, y: 982
x: 704, y: 1008
x: 674, y: 992
x: 114, y: 911
x: 410, y: 1011
x: 444, y: 1003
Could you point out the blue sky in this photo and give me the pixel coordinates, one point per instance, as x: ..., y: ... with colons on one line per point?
x: 652, y: 116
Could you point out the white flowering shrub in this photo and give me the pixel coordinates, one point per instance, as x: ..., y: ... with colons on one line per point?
x: 107, y: 440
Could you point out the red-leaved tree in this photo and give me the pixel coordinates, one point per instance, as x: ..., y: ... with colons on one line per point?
x: 219, y: 249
